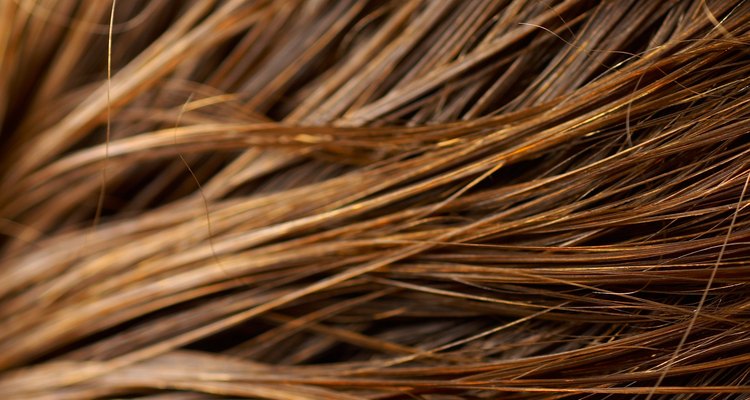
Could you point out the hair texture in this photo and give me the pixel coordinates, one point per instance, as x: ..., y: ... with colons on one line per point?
x: 404, y: 199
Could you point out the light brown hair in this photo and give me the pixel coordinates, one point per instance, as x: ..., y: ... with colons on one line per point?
x: 302, y: 199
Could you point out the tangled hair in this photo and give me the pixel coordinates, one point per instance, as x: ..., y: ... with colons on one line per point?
x: 374, y: 199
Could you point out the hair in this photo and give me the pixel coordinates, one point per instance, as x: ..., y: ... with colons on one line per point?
x: 375, y: 199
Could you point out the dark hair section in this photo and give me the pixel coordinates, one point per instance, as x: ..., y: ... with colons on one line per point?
x: 375, y: 199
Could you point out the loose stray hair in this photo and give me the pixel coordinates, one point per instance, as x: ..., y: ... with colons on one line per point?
x: 374, y: 199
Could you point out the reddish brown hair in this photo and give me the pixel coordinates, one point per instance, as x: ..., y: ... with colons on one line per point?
x: 374, y: 199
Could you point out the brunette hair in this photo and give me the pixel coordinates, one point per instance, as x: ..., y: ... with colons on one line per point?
x: 374, y: 199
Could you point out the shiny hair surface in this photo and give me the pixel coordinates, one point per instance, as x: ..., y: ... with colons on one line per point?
x: 374, y: 199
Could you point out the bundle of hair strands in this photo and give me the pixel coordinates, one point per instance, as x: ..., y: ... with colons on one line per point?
x: 426, y: 199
